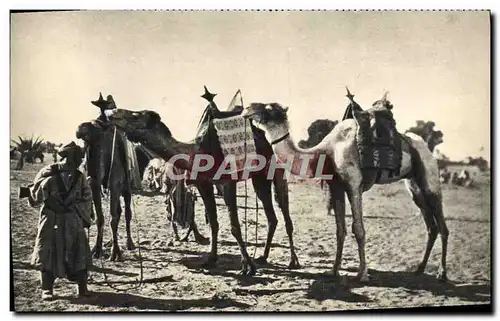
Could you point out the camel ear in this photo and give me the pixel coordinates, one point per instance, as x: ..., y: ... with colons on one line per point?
x: 285, y: 108
x: 384, y: 98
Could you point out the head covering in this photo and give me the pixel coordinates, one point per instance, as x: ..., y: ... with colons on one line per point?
x: 70, y: 149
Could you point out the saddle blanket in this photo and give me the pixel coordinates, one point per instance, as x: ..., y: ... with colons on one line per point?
x: 233, y: 132
x: 132, y: 165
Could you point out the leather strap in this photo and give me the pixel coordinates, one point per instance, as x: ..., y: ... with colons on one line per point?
x: 280, y: 139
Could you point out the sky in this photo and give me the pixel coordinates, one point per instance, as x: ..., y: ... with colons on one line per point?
x: 435, y: 65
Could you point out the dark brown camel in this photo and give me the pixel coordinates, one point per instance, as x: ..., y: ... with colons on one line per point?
x: 147, y: 128
x: 98, y: 136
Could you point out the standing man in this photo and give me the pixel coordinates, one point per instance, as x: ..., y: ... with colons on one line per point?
x: 62, y: 248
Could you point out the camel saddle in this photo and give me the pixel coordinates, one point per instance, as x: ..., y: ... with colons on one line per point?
x: 379, y: 144
x: 207, y: 138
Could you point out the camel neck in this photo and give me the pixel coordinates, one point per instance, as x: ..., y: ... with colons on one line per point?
x: 160, y: 141
x: 302, y: 162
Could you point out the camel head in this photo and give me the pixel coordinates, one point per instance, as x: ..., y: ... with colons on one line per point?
x: 267, y: 115
x: 137, y: 125
x: 271, y: 118
x: 88, y: 132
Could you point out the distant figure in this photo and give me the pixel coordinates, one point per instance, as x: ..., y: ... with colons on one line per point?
x: 20, y: 162
x: 464, y: 179
x: 62, y: 248
x: 444, y: 176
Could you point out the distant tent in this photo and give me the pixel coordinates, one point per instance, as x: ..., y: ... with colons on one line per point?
x: 236, y: 102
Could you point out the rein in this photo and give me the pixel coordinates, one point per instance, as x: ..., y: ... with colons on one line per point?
x: 139, y: 282
x: 246, y: 198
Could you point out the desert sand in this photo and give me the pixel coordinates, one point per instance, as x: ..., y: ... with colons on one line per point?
x: 173, y: 280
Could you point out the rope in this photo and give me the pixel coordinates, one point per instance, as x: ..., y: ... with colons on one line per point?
x: 256, y: 226
x: 139, y: 282
x: 246, y: 194
x: 246, y: 185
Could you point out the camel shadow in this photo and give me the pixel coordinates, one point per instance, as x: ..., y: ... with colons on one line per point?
x: 329, y: 287
x: 148, y: 193
x: 249, y: 243
x: 227, y: 265
x: 112, y: 299
x: 160, y: 279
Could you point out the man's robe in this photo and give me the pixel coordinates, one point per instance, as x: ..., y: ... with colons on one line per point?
x: 61, y: 245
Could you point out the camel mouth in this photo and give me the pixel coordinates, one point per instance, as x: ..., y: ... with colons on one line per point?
x: 247, y: 114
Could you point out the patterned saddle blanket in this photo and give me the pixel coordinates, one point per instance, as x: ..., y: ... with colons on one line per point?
x: 236, y: 139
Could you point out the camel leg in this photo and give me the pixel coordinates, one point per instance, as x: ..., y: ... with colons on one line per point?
x: 247, y: 265
x: 337, y: 202
x: 127, y: 196
x: 355, y: 199
x: 281, y: 196
x: 432, y: 231
x: 115, y: 211
x: 435, y: 202
x: 200, y: 239
x: 429, y: 196
x: 95, y: 186
x: 206, y: 190
x: 262, y: 188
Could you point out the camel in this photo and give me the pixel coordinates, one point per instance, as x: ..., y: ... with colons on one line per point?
x: 418, y: 169
x: 98, y: 136
x: 147, y: 128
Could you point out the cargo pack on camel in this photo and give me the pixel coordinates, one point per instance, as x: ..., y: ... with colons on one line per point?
x: 378, y: 141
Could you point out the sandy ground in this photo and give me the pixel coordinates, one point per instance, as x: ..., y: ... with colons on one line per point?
x: 396, y: 238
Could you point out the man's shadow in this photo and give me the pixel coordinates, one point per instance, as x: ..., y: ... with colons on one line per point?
x: 113, y: 300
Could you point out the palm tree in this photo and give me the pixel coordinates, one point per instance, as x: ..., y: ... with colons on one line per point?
x: 30, y: 148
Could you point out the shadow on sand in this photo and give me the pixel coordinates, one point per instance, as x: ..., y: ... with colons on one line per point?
x: 111, y: 299
x: 21, y: 265
x: 327, y: 287
x: 227, y: 265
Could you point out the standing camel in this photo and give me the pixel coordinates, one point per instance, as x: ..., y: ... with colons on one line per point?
x: 418, y: 168
x: 147, y: 128
x: 98, y: 136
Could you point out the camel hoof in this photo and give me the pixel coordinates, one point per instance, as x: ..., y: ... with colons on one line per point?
x: 248, y: 268
x: 442, y: 277
x: 420, y: 270
x: 130, y: 245
x: 362, y: 278
x: 203, y: 240
x: 96, y: 252
x: 116, y: 255
x: 294, y: 265
x: 261, y: 260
